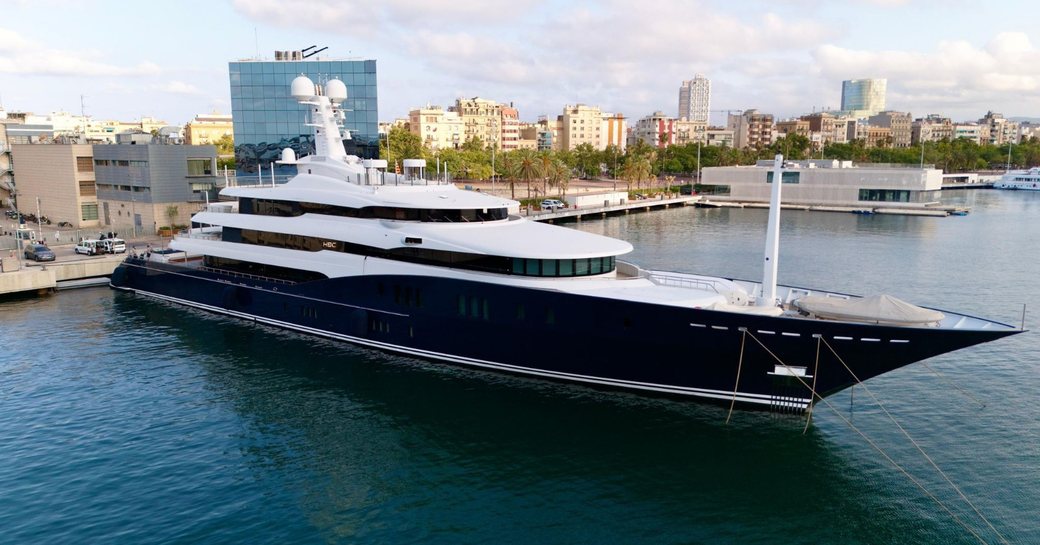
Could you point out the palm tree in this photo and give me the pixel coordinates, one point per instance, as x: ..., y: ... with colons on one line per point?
x: 528, y: 168
x: 558, y: 174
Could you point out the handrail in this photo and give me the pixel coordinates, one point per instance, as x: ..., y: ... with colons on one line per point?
x: 682, y: 281
x: 248, y: 276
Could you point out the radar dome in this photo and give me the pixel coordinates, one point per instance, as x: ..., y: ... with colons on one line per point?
x: 336, y: 90
x: 302, y: 87
x: 288, y: 155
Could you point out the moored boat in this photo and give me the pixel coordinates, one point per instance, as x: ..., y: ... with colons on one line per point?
x: 414, y: 265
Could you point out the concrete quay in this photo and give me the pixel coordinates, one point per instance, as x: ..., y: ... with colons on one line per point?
x: 46, y: 278
x: 939, y: 211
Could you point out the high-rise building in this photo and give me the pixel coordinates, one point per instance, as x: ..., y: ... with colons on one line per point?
x: 863, y: 97
x: 614, y: 131
x: 481, y: 118
x: 267, y: 119
x: 695, y: 99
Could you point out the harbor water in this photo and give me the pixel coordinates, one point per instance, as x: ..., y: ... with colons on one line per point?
x: 127, y: 420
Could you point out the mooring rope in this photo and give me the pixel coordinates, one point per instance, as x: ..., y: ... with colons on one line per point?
x: 884, y: 454
x: 917, y: 445
x: 812, y: 393
x: 740, y: 364
x: 952, y: 383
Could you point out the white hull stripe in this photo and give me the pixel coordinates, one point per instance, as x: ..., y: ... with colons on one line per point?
x: 760, y: 399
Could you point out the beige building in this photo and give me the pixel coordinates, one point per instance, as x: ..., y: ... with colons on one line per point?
x: 828, y: 128
x: 581, y: 124
x: 436, y: 128
x: 1001, y: 130
x: 751, y: 129
x: 614, y: 131
x: 971, y: 131
x: 481, y: 118
x: 793, y: 126
x: 689, y: 131
x: 208, y: 129
x: 899, y: 123
x: 61, y: 176
x: 932, y: 128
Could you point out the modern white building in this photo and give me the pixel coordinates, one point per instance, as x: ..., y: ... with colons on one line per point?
x: 830, y: 182
x: 695, y: 99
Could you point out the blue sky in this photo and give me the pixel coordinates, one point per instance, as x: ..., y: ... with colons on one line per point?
x: 169, y: 59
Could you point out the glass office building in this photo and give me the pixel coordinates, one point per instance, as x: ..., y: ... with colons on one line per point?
x: 863, y: 97
x: 267, y: 119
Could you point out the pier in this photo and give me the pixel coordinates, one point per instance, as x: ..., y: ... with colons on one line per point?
x: 640, y: 205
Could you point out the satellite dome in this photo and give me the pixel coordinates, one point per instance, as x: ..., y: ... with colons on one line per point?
x: 288, y: 155
x: 336, y: 90
x: 302, y: 87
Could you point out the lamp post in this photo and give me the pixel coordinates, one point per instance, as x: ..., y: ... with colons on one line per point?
x: 39, y: 221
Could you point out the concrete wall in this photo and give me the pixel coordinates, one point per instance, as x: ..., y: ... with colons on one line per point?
x: 834, y: 186
x: 49, y: 171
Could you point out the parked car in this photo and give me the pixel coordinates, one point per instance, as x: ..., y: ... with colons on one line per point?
x: 38, y: 252
x: 552, y: 204
x: 89, y: 247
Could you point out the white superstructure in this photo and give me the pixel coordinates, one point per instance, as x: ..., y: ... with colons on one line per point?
x: 1020, y: 179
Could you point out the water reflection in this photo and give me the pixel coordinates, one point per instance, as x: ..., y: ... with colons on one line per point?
x: 383, y: 448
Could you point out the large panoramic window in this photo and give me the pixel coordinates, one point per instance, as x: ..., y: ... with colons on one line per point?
x: 884, y: 195
x: 458, y: 260
x: 200, y: 167
x: 787, y: 177
x: 265, y: 207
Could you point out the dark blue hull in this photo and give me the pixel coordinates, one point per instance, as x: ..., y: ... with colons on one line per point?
x: 710, y: 355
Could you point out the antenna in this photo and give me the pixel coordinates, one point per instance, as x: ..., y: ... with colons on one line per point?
x: 82, y: 106
x: 256, y: 39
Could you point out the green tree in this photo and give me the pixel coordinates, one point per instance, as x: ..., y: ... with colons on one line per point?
x: 528, y: 168
x: 586, y: 160
x: 225, y: 145
x: 403, y: 145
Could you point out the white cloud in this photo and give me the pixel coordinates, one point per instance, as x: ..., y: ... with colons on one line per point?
x: 956, y: 73
x: 177, y: 88
x: 19, y: 55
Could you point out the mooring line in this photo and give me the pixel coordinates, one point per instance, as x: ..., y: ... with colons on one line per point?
x: 918, y: 446
x: 952, y: 383
x: 884, y: 454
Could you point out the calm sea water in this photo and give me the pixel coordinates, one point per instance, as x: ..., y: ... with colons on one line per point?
x: 130, y: 421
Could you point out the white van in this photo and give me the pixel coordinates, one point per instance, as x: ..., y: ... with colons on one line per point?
x: 114, y: 245
x: 91, y: 247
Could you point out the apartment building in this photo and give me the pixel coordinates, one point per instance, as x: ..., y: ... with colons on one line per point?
x: 436, y: 128
x: 899, y: 124
x: 751, y: 129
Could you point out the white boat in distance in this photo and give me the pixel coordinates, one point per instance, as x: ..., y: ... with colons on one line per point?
x: 416, y: 266
x: 1020, y: 179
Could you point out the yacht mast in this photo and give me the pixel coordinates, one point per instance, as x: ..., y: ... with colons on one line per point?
x: 768, y: 297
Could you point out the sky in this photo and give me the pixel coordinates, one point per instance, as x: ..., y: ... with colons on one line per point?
x: 115, y: 59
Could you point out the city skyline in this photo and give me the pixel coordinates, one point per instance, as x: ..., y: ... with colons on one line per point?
x: 785, y: 58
